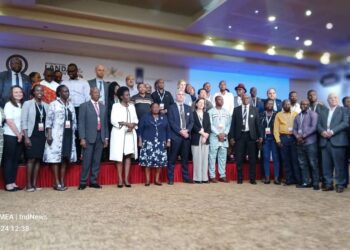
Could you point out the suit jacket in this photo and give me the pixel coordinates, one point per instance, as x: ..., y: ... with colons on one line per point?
x: 339, y: 125
x: 28, y: 115
x: 88, y: 122
x: 278, y: 104
x: 237, y: 123
x: 93, y: 84
x: 6, y: 84
x: 197, y: 126
x: 259, y: 104
x: 263, y: 124
x: 175, y: 122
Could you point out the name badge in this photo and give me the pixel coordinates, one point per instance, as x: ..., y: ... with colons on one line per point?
x: 161, y: 105
x: 67, y: 124
x: 290, y: 129
x: 267, y: 131
x: 41, y: 126
x: 221, y: 125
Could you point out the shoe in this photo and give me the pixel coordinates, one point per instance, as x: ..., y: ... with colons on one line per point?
x: 170, y: 182
x: 316, y: 187
x: 331, y: 188
x: 213, y: 180
x: 188, y: 181
x: 30, y: 189
x: 158, y: 184
x: 128, y: 185
x: 223, y: 179
x: 253, y: 182
x: 95, y: 185
x: 267, y: 182
x: 37, y: 188
x: 288, y: 183
x: 18, y: 188
x: 197, y: 182
x: 205, y: 182
x: 276, y: 182
x: 304, y: 185
x: 81, y: 187
x: 239, y: 182
x: 339, y: 189
x: 64, y: 188
x: 11, y: 190
x: 120, y: 185
x: 147, y: 184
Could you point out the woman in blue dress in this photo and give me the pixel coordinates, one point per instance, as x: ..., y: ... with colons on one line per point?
x: 154, y: 138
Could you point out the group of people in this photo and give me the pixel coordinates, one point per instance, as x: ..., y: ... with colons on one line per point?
x: 63, y: 121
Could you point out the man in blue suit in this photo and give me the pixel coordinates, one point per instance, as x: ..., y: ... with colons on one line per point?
x: 181, y: 122
x: 13, y: 77
x: 271, y: 95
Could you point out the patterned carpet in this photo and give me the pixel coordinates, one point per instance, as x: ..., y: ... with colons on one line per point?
x: 183, y: 216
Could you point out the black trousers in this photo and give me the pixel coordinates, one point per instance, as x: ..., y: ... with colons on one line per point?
x: 11, y: 154
x: 77, y: 140
x: 246, y: 145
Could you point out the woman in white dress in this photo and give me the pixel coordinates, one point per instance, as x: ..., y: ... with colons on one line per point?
x: 123, y: 136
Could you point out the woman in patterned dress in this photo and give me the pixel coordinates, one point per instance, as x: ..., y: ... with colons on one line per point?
x: 154, y: 138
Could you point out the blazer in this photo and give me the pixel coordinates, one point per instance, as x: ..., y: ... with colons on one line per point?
x: 237, y: 123
x: 278, y: 104
x: 28, y: 115
x: 339, y: 125
x: 88, y: 122
x: 263, y: 124
x: 175, y: 122
x: 6, y: 84
x: 93, y: 84
x: 195, y: 136
x: 259, y: 104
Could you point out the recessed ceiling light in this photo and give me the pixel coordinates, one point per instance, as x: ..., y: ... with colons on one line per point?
x: 308, y: 42
x: 240, y: 46
x: 276, y: 27
x: 271, y: 51
x: 325, y: 58
x: 208, y: 42
x: 329, y: 26
x: 300, y: 54
x: 297, y: 38
x: 308, y: 13
x: 256, y: 11
x: 229, y: 26
x: 271, y: 18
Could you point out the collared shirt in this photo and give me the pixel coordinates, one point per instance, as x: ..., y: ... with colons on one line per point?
x: 13, y: 78
x: 79, y: 91
x: 305, y: 125
x: 100, y: 85
x: 220, y: 121
x: 330, y: 115
x: 283, y: 124
x: 13, y: 113
x: 246, y: 127
x: 132, y: 91
x: 228, y: 101
x: 295, y: 108
x: 142, y: 104
x: 179, y: 109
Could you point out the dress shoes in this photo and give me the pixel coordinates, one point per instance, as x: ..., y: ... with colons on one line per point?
x: 188, y: 181
x: 339, y: 189
x: 127, y: 185
x: 253, y: 182
x: 205, y: 182
x: 81, y: 187
x: 276, y: 182
x: 267, y: 181
x: 316, y: 187
x: 147, y: 184
x: 223, y: 179
x: 158, y: 184
x: 213, y: 180
x: 170, y: 182
x: 95, y: 185
x: 197, y: 182
x: 326, y: 189
x: 304, y: 185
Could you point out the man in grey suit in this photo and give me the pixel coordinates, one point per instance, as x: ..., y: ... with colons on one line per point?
x: 93, y: 133
x: 99, y: 83
x: 333, y: 125
x: 13, y: 77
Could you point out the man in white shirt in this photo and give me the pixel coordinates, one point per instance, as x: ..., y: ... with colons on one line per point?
x: 130, y: 83
x: 99, y: 83
x: 79, y: 92
x: 227, y: 96
x: 295, y: 106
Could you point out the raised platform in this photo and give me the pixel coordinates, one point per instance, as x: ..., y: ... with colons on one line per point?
x: 108, y: 174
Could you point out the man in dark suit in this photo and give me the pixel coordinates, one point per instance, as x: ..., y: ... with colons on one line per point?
x: 99, y: 83
x: 181, y: 121
x: 277, y: 103
x: 256, y: 101
x: 245, y: 133
x: 346, y: 104
x: 333, y: 125
x: 93, y: 133
x: 13, y: 77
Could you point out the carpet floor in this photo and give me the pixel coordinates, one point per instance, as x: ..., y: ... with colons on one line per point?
x: 183, y: 216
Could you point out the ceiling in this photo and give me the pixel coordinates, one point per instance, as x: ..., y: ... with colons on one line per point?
x: 173, y: 33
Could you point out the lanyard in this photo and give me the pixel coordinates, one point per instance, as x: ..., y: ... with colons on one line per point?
x: 41, y: 111
x: 314, y: 108
x: 160, y: 96
x: 267, y: 119
x: 65, y: 110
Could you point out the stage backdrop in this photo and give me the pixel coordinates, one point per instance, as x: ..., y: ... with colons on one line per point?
x: 115, y: 70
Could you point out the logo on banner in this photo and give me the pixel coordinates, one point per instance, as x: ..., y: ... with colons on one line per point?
x: 57, y: 66
x: 22, y: 58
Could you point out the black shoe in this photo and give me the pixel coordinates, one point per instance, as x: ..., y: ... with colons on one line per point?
x: 239, y: 182
x: 223, y: 179
x: 188, y: 181
x: 289, y: 183
x: 158, y: 183
x: 316, y: 187
x: 266, y: 181
x: 198, y: 182
x: 331, y: 188
x: 128, y: 185
x: 252, y: 182
x: 276, y: 182
x: 95, y: 185
x: 170, y: 182
x: 147, y: 184
x: 304, y: 185
x: 339, y: 189
x: 206, y: 182
x: 120, y: 185
x: 81, y: 187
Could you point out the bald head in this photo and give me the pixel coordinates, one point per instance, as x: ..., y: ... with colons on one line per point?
x: 332, y: 100
x: 100, y: 71
x: 16, y: 64
x: 130, y: 81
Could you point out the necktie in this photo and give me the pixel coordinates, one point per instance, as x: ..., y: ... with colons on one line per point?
x: 244, y: 116
x: 183, y: 117
x: 100, y: 87
x: 97, y: 109
x: 17, y: 79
